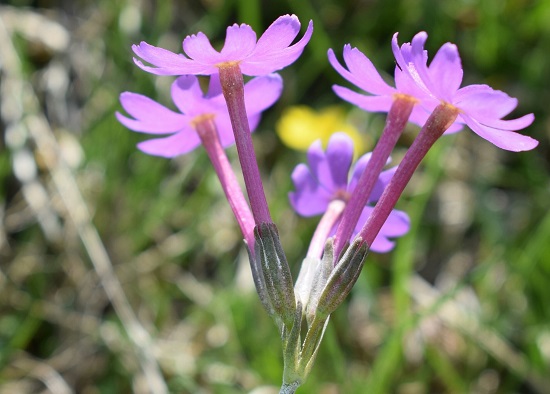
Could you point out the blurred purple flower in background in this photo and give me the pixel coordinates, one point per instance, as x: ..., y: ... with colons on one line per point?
x: 270, y: 53
x: 148, y: 116
x: 325, y: 179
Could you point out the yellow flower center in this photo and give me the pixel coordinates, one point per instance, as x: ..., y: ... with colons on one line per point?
x: 229, y: 64
x: 403, y: 96
x: 201, y: 118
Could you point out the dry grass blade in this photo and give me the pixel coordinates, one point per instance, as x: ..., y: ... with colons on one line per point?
x: 31, y: 121
x: 456, y: 316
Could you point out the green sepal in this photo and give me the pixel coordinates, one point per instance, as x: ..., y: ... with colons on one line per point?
x: 276, y: 274
x: 313, y: 278
x: 342, y: 278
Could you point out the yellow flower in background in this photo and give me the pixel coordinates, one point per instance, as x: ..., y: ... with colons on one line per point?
x: 300, y: 126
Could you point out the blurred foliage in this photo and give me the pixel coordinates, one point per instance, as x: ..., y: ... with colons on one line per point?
x: 480, y: 216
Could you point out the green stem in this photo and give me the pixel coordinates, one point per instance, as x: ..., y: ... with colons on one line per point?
x: 289, y: 388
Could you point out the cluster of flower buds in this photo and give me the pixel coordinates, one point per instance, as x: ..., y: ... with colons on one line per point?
x: 358, y: 211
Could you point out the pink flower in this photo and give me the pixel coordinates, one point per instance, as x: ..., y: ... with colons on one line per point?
x: 480, y: 107
x: 380, y: 96
x: 270, y: 53
x: 148, y: 116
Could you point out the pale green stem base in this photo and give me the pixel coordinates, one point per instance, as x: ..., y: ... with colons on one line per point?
x: 289, y: 388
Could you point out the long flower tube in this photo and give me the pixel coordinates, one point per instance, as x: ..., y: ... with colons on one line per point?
x: 232, y: 83
x: 329, y: 219
x: 396, y: 121
x: 206, y: 129
x: 439, y: 121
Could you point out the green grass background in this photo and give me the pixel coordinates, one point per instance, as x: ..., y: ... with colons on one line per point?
x: 479, y: 239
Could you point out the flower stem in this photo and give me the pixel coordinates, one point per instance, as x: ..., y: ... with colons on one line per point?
x: 289, y: 388
x: 232, y: 83
x: 330, y: 217
x: 207, y: 131
x: 396, y: 121
x: 442, y: 117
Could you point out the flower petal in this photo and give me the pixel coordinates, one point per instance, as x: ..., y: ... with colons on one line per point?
x: 268, y: 62
x: 358, y: 170
x: 367, y: 103
x: 198, y: 47
x: 167, y: 62
x: 446, y: 71
x: 319, y: 166
x: 339, y: 154
x: 194, y: 68
x: 159, y: 57
x: 362, y: 72
x: 412, y: 58
x: 214, y: 86
x: 278, y: 35
x: 187, y: 94
x: 240, y: 41
x: 149, y: 116
x: 225, y: 130
x: 504, y: 139
x: 262, y: 93
x: 361, y: 66
x: 419, y: 115
x: 396, y: 225
x: 483, y: 102
x: 406, y: 85
x: 383, y: 179
x: 508, y: 124
x: 382, y: 244
x: 253, y: 121
x: 172, y: 146
x: 308, y: 199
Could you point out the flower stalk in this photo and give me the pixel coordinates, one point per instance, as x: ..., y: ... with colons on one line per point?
x: 232, y: 83
x: 326, y: 224
x: 439, y: 121
x: 207, y: 131
x: 396, y: 121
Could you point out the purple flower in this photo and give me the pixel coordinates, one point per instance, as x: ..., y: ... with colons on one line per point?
x: 270, y: 53
x: 362, y: 73
x: 326, y: 180
x: 148, y: 116
x: 480, y: 106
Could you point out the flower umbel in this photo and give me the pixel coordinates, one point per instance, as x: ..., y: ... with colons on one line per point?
x: 480, y: 107
x: 270, y: 53
x: 326, y: 181
x: 194, y: 106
